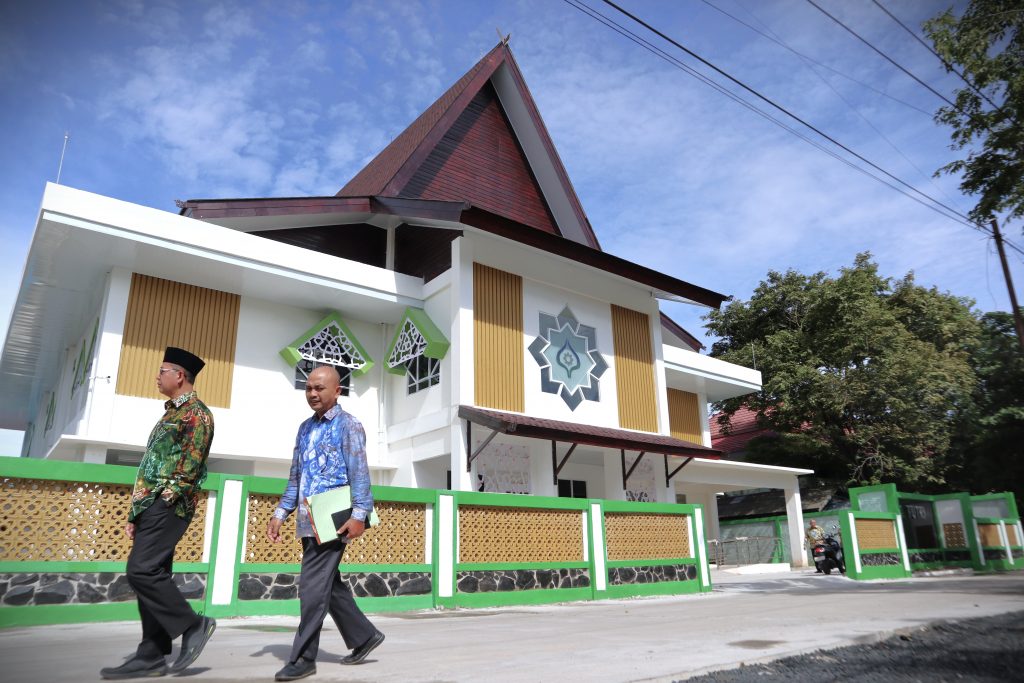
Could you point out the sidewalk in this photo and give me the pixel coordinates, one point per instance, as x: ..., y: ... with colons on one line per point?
x: 746, y: 619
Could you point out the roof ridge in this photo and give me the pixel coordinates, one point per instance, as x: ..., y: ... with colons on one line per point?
x: 382, y: 170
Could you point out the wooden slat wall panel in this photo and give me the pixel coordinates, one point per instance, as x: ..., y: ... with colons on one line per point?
x: 163, y: 313
x: 684, y: 416
x: 498, y: 339
x: 634, y: 369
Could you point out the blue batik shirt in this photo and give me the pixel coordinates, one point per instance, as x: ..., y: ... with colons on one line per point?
x: 330, y: 451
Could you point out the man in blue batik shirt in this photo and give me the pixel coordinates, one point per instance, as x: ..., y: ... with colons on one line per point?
x: 330, y: 451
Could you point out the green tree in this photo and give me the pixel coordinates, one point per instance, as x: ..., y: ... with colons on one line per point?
x: 989, y: 452
x: 865, y: 379
x: 986, y: 45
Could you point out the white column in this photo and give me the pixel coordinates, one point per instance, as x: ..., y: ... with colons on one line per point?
x: 705, y: 424
x: 461, y: 479
x: 99, y: 412
x: 795, y: 522
x: 1005, y: 540
x: 710, y: 503
x: 597, y: 532
x: 613, y: 475
x: 228, y: 552
x: 446, y: 545
x: 903, y: 542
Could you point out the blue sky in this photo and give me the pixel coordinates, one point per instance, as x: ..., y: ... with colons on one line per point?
x: 175, y: 100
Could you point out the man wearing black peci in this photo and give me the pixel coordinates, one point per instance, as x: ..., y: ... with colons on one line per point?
x: 163, y: 502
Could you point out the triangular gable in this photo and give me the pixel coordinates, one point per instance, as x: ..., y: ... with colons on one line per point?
x: 482, y: 142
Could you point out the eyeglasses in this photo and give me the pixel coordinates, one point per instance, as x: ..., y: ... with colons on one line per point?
x: 163, y: 370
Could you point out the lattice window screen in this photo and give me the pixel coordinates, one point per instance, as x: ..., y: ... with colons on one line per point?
x: 640, y: 486
x: 409, y: 344
x: 504, y: 468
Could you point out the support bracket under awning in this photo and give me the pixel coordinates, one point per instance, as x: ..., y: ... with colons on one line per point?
x: 668, y: 477
x: 625, y: 474
x: 556, y: 464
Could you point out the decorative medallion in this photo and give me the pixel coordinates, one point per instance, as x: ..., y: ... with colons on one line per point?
x: 570, y: 364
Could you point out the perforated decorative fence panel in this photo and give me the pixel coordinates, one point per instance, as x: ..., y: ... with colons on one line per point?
x: 990, y: 534
x: 519, y: 535
x: 646, y: 536
x: 876, y: 534
x: 400, y: 538
x: 63, y: 521
x: 954, y: 535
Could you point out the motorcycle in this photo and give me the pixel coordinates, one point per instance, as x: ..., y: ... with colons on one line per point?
x: 828, y: 553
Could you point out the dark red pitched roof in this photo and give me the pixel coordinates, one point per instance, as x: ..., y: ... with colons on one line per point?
x: 462, y: 148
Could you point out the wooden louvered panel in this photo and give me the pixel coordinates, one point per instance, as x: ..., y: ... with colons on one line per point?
x: 163, y: 313
x: 634, y: 369
x: 498, y: 339
x: 684, y: 416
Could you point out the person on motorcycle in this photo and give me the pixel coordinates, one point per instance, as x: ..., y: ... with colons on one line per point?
x: 815, y: 536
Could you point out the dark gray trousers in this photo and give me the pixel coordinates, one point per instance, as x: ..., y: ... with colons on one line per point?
x: 164, y: 611
x: 322, y: 592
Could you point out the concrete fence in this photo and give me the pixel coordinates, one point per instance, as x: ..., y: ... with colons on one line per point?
x: 63, y: 553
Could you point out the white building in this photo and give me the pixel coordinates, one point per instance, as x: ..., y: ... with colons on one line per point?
x: 485, y: 339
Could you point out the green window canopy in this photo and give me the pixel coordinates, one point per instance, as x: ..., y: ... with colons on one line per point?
x: 417, y: 335
x: 329, y: 341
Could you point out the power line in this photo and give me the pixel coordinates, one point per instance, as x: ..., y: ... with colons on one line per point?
x: 946, y: 64
x: 956, y: 215
x: 813, y: 61
x: 884, y: 56
x: 618, y: 28
x: 774, y: 38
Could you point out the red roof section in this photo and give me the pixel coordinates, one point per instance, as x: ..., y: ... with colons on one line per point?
x: 376, y: 175
x: 480, y: 161
x: 462, y: 148
x: 742, y: 428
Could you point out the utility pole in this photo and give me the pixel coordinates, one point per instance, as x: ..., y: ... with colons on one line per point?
x: 1017, y: 322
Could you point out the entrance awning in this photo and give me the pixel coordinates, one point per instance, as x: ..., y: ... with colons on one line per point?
x: 500, y: 422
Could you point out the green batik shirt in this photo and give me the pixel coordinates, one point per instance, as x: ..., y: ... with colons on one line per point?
x: 174, y: 466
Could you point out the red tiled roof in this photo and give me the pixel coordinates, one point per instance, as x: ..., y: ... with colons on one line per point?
x: 572, y: 432
x: 742, y: 428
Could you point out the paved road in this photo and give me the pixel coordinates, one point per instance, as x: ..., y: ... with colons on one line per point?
x: 981, y: 650
x: 746, y: 620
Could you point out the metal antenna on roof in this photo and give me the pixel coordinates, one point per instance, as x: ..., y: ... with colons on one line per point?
x: 60, y: 167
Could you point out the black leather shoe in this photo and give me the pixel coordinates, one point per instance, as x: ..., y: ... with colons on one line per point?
x: 136, y: 667
x: 192, y: 643
x: 293, y: 671
x: 359, y: 654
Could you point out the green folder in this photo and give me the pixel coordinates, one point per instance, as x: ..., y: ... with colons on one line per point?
x: 330, y: 509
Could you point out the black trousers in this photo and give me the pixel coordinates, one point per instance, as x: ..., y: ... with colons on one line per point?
x: 321, y: 592
x: 164, y: 611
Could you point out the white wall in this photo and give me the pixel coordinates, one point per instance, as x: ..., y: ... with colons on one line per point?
x: 266, y: 408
